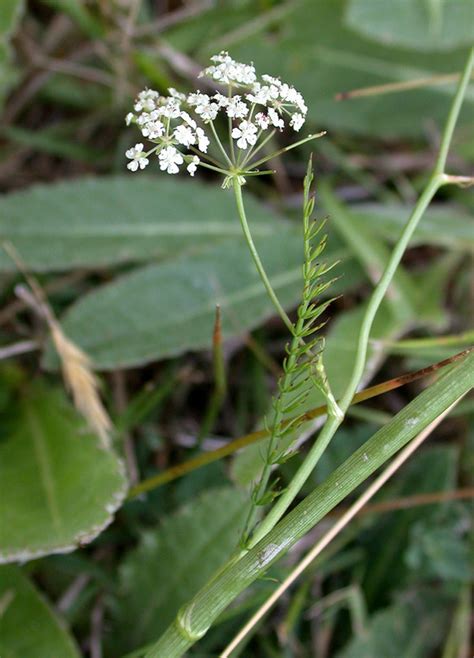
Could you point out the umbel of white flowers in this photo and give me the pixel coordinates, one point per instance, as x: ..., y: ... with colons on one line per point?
x: 181, y: 128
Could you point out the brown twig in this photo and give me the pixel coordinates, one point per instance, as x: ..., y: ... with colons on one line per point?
x: 417, y: 500
x: 393, y: 87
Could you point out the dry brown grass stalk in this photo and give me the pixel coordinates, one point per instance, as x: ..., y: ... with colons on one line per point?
x: 79, y: 377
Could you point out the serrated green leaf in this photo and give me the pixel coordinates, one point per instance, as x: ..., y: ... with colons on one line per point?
x: 59, y: 488
x: 417, y: 24
x: 173, y: 561
x: 93, y: 222
x: 165, y: 309
x: 29, y: 628
x: 339, y: 354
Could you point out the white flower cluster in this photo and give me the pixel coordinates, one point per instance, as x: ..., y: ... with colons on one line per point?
x: 250, y: 105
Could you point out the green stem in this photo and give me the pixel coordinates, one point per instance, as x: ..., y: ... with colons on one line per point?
x: 333, y: 422
x: 253, y: 153
x: 219, y: 143
x: 195, y: 618
x: 287, y: 148
x: 256, y: 257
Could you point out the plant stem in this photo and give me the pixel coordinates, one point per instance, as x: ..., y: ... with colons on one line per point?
x: 205, y: 458
x: 256, y: 257
x: 288, y: 148
x: 219, y: 143
x: 326, y: 539
x: 435, y: 181
x: 195, y: 618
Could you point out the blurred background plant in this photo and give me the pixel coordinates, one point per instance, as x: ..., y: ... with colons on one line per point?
x: 133, y: 268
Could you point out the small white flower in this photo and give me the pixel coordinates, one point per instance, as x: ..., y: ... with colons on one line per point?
x: 275, y: 118
x: 175, y: 122
x: 262, y: 120
x: 144, y: 118
x: 227, y: 70
x: 297, y: 120
x: 184, y: 135
x: 203, y: 140
x: 153, y: 129
x: 192, y: 166
x: 236, y: 109
x: 271, y: 80
x: 176, y: 94
x: 137, y: 157
x: 169, y: 159
x: 146, y: 100
x: 245, y: 134
x: 171, y: 109
x: 207, y: 110
x: 189, y: 120
x: 221, y: 100
x: 196, y: 97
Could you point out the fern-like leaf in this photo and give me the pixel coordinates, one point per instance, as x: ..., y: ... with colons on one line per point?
x: 302, y: 367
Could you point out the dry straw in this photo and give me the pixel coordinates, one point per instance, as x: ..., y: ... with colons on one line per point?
x: 79, y: 377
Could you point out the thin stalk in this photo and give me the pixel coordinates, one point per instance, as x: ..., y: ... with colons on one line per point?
x: 288, y: 148
x: 218, y: 169
x: 229, y: 127
x: 435, y: 181
x: 202, y: 155
x: 455, y: 340
x: 253, y: 153
x: 256, y: 257
x: 219, y: 143
x: 195, y: 618
x: 392, y: 87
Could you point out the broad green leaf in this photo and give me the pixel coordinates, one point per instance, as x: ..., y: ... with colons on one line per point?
x: 163, y: 310
x: 93, y: 222
x: 418, y: 24
x: 440, y: 548
x: 433, y: 469
x: 59, y: 488
x: 29, y: 628
x: 314, y: 50
x: 444, y: 225
x: 173, y: 561
x: 411, y: 628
